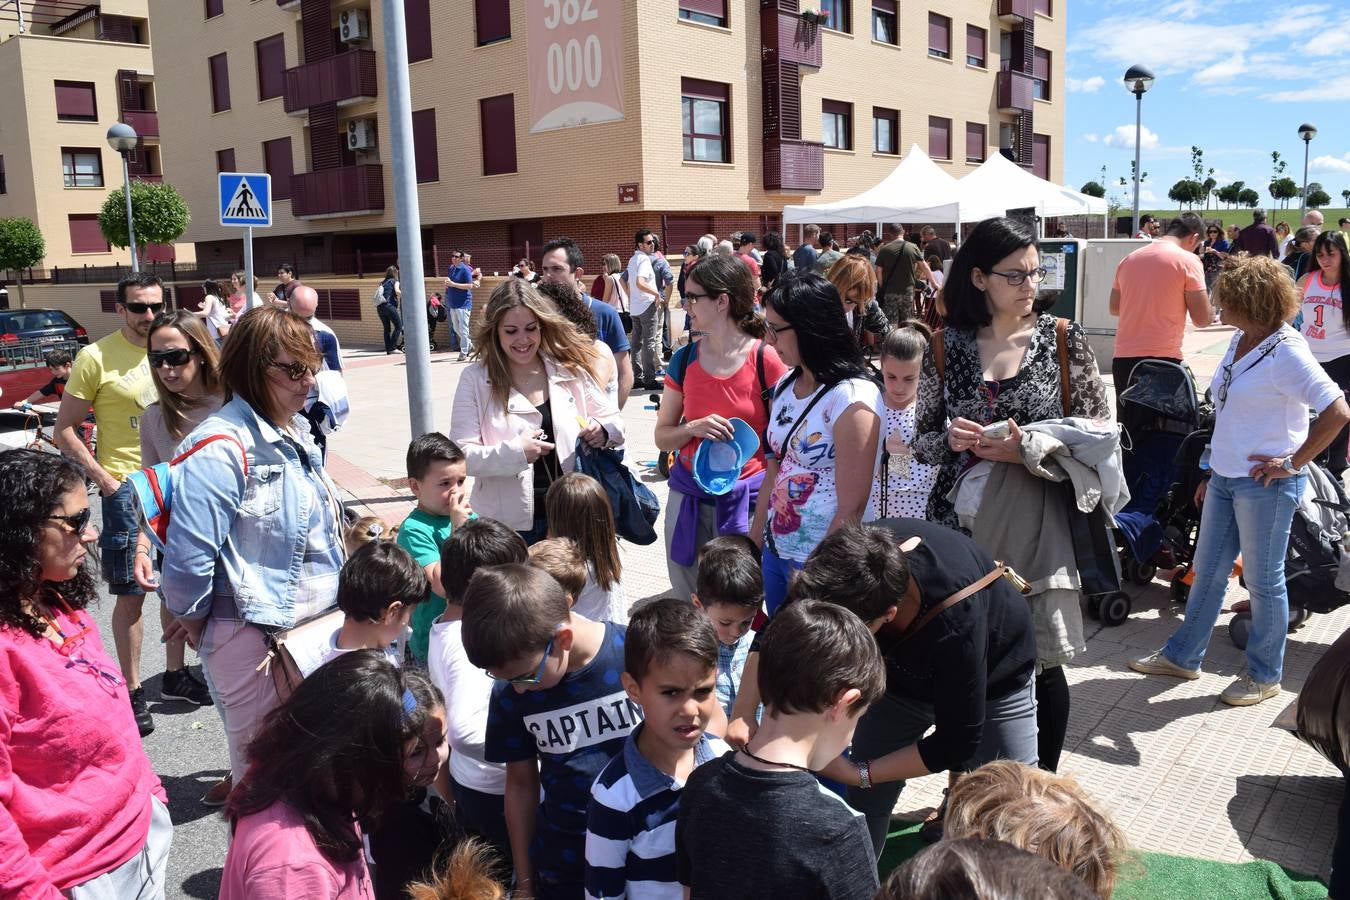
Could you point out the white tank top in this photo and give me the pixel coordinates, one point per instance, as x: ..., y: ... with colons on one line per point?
x: 1324, y: 319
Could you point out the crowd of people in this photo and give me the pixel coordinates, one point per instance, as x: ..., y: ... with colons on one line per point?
x: 867, y: 583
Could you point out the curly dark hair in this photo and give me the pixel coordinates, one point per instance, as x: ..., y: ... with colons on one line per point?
x: 568, y: 300
x: 334, y: 750
x: 32, y: 484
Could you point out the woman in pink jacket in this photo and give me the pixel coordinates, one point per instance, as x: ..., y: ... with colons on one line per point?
x: 82, y: 812
x: 533, y: 390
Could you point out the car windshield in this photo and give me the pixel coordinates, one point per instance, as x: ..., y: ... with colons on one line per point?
x: 33, y: 320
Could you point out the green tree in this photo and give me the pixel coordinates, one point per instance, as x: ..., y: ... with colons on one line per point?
x: 1093, y: 189
x: 1277, y: 166
x: 21, y: 246
x: 1186, y: 193
x: 1345, y: 194
x: 1317, y: 198
x: 1249, y: 198
x: 1229, y: 193
x: 1283, y: 190
x: 160, y: 214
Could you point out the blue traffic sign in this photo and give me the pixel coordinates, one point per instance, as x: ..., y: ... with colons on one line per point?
x: 245, y: 198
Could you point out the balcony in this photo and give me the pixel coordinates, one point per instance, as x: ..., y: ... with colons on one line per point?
x: 1015, y: 91
x: 344, y: 191
x: 795, y: 41
x: 289, y: 4
x: 343, y: 79
x: 145, y: 122
x: 1016, y: 10
x: 151, y: 179
x: 794, y: 166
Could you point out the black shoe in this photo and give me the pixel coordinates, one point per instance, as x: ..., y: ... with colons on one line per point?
x: 183, y: 685
x: 144, y: 722
x: 666, y: 353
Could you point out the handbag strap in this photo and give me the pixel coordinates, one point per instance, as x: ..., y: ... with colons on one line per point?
x: 1062, y: 346
x: 801, y: 418
x: 968, y: 590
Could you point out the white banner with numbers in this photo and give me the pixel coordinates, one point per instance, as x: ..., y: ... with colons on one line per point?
x: 575, y: 48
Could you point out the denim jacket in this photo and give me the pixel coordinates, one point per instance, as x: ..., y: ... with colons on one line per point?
x: 241, y: 539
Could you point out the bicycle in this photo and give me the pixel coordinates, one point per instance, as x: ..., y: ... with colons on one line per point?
x: 41, y: 440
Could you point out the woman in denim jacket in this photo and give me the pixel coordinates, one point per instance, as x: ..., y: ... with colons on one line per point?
x: 253, y: 545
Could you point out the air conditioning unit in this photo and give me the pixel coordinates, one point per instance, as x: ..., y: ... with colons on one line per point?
x: 354, y: 25
x: 361, y: 134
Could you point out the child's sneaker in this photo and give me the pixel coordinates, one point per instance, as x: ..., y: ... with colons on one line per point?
x: 183, y: 685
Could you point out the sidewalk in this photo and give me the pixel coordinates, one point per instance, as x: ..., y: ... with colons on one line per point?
x: 1179, y: 771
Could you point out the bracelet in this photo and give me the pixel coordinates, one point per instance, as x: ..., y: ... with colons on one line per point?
x: 145, y: 550
x: 864, y: 774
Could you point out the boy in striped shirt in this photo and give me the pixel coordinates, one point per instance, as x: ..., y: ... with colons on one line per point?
x: 670, y: 669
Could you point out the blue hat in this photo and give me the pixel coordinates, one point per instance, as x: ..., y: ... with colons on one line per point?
x: 717, y: 464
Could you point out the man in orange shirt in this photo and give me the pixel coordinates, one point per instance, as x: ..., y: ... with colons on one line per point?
x: 1155, y: 287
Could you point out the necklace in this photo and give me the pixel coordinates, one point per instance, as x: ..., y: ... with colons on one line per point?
x: 770, y: 762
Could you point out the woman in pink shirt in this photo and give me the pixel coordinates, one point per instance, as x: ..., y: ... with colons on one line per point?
x: 82, y: 812
x: 356, y: 734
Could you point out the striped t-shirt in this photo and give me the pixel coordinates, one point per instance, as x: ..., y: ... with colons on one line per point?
x: 630, y: 825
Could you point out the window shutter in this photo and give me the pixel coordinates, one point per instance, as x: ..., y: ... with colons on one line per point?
x: 277, y: 162
x: 497, y: 121
x: 939, y: 33
x: 425, y: 145
x: 975, y: 42
x: 85, y: 235
x: 214, y: 8
x: 219, y: 70
x: 976, y: 141
x: 417, y: 23
x: 1040, y: 155
x: 716, y: 8
x: 1040, y: 64
x: 939, y: 137
x: 492, y: 20
x: 271, y: 62
x: 75, y: 100
x: 888, y: 6
x: 710, y: 90
x: 225, y: 160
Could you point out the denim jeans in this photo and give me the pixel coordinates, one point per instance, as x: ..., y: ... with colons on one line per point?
x: 459, y: 321
x: 777, y: 574
x: 1241, y: 515
x: 646, y: 340
x: 393, y: 325
x: 895, y: 722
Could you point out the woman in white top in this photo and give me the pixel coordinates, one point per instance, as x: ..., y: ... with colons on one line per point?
x: 574, y: 309
x: 1265, y: 387
x: 214, y: 311
x: 1326, y: 327
x: 824, y: 429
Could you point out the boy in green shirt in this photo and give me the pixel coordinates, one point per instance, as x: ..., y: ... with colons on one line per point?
x: 436, y: 476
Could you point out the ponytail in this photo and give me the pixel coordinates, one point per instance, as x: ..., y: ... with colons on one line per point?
x: 906, y: 342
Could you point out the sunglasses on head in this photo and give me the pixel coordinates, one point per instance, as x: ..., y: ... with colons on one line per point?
x: 296, y: 370
x: 178, y: 356
x: 76, y: 522
x: 141, y: 309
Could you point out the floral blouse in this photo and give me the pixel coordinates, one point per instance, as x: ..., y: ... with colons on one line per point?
x: 1032, y: 395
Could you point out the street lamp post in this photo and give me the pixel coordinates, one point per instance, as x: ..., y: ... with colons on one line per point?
x: 1307, y: 131
x: 1138, y: 79
x: 122, y: 138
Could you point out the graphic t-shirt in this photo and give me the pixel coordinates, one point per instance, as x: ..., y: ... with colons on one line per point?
x: 1324, y: 319
x: 804, y: 502
x: 114, y: 377
x: 423, y: 534
x: 903, y: 483
x: 573, y: 728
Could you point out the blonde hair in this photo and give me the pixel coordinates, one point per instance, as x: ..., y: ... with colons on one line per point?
x: 1257, y: 288
x: 1046, y: 814
x: 175, y: 407
x: 558, y: 338
x: 561, y: 557
x: 613, y: 265
x: 851, y: 272
x: 577, y: 507
x: 365, y: 530
x: 466, y: 875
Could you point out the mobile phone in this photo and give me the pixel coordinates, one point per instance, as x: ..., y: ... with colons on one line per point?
x: 997, y: 431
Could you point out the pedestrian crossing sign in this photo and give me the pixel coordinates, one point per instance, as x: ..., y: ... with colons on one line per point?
x: 245, y: 198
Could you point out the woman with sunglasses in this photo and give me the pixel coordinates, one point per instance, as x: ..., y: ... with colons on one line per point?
x: 1212, y: 254
x: 1001, y: 364
x: 254, y: 541
x: 855, y: 278
x: 84, y: 812
x: 1264, y: 389
x: 720, y: 377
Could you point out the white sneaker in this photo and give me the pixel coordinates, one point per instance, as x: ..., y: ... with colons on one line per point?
x: 1247, y: 691
x: 1157, y: 664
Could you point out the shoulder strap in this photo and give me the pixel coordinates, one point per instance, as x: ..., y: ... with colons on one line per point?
x: 679, y: 363
x: 1062, y: 345
x: 968, y: 590
x: 820, y: 395
x: 940, y: 355
x: 209, y: 440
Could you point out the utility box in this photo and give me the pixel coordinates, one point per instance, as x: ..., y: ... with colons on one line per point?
x: 1097, y: 262
x: 1060, y: 259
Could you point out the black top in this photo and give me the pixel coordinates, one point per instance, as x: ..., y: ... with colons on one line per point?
x: 745, y: 833
x: 773, y: 266
x: 546, y: 466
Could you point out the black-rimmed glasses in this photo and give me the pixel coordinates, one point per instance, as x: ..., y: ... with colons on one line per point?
x: 176, y: 357
x: 1035, y: 276
x: 76, y: 522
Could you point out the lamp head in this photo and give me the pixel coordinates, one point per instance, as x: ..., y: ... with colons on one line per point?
x: 1138, y: 79
x: 1307, y: 131
x: 122, y: 137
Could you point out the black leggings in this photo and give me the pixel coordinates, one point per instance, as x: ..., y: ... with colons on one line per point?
x: 1052, y: 716
x: 1334, y: 457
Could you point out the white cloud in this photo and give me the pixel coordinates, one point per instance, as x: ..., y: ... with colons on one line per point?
x: 1330, y: 163
x: 1085, y: 85
x: 1307, y: 95
x: 1221, y: 72
x: 1090, y: 138
x: 1123, y: 136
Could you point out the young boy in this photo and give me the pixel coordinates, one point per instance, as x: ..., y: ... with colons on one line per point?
x: 561, y: 558
x: 436, y: 475
x: 557, y: 716
x: 59, y: 364
x: 670, y: 664
x: 760, y: 813
x: 730, y: 590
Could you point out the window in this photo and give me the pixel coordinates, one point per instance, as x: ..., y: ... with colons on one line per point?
x: 1043, y: 7
x: 493, y: 21
x: 836, y: 124
x: 219, y: 71
x: 1040, y: 156
x: 85, y: 235
x: 497, y: 122
x: 939, y: 36
x: 277, y: 163
x: 836, y: 13
x: 75, y: 101
x: 1008, y: 143
x: 214, y: 8
x: 977, y: 139
x: 417, y: 26
x: 939, y: 137
x: 3, y: 188
x: 270, y: 54
x: 425, y: 158
x: 707, y: 12
x: 885, y: 130
x: 82, y: 166
x: 703, y: 112
x: 225, y: 160
x: 885, y: 22
x: 1040, y: 74
x: 975, y: 46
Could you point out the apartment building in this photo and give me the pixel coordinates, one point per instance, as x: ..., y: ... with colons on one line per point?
x: 587, y: 117
x: 74, y: 70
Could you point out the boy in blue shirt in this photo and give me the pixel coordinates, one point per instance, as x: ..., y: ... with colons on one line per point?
x: 730, y: 590
x: 558, y: 713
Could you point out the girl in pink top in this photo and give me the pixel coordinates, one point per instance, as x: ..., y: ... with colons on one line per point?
x: 356, y: 734
x: 1326, y: 327
x: 81, y: 810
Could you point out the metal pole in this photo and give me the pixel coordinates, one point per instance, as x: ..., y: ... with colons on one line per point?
x: 1138, y: 126
x: 407, y: 214
x: 249, y: 292
x: 1303, y: 204
x: 131, y: 231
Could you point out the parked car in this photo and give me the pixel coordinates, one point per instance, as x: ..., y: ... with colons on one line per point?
x: 43, y: 325
x: 26, y: 336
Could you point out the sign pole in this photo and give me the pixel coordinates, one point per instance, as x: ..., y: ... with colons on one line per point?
x: 248, y: 268
x: 245, y: 201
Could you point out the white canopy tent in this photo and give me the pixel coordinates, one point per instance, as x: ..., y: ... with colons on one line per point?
x: 916, y: 189
x: 999, y: 185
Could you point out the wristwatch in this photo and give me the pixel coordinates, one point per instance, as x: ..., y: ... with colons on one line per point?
x: 864, y: 774
x: 1288, y: 465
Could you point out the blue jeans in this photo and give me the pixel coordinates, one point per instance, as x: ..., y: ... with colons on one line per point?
x: 459, y: 325
x: 393, y: 325
x: 777, y: 574
x: 1241, y: 515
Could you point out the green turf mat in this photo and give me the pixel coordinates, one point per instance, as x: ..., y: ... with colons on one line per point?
x: 1161, y: 876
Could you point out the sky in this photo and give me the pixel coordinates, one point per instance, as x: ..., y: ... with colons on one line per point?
x: 1234, y: 77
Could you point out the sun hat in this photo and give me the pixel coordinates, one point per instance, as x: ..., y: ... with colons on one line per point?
x: 717, y: 464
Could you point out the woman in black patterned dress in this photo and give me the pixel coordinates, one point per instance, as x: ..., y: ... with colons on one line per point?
x: 1001, y: 363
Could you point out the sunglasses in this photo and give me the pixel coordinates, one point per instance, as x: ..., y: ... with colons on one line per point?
x: 295, y: 371
x: 141, y: 309
x: 76, y: 522
x: 178, y: 356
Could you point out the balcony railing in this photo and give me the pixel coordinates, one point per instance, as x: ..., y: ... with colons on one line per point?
x: 344, y: 191
x: 1015, y: 91
x: 153, y: 179
x: 288, y: 4
x: 795, y: 41
x: 145, y: 122
x: 346, y: 78
x: 1012, y: 10
x: 794, y: 166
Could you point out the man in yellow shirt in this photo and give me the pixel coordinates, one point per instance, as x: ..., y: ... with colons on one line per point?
x: 113, y: 376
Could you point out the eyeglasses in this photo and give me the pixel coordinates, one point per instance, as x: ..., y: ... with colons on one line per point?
x: 76, y: 522
x: 1035, y: 276
x: 647, y: 241
x: 774, y: 331
x: 141, y: 309
x: 178, y: 356
x: 294, y: 371
x: 694, y: 295
x: 107, y: 680
x: 538, y: 676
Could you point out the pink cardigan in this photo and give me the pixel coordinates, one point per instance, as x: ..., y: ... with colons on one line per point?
x: 492, y: 437
x: 75, y: 782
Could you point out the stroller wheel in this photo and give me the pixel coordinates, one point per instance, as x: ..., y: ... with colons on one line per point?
x: 1298, y: 615
x: 1115, y: 609
x: 1181, y: 591
x: 1145, y: 573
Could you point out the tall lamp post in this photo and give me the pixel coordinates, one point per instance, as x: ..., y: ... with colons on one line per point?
x: 122, y: 138
x: 1307, y: 131
x: 1138, y: 79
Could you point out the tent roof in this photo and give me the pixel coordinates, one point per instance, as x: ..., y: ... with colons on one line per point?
x: 999, y: 185
x: 917, y: 188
